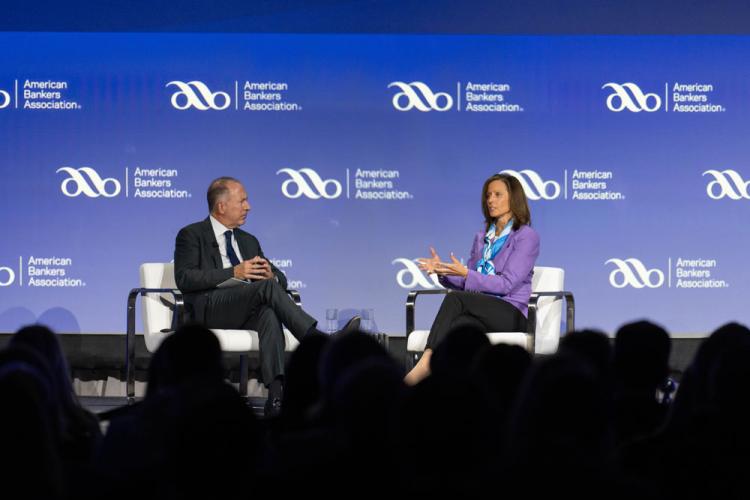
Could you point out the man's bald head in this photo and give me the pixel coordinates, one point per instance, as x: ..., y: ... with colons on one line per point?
x: 218, y: 190
x: 227, y: 201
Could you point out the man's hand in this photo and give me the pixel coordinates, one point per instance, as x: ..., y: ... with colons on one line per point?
x: 256, y: 268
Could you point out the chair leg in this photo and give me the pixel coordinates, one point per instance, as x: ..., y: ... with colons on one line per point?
x: 531, y: 344
x: 130, y: 369
x: 243, y: 375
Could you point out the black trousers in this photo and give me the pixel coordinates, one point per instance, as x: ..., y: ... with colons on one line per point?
x: 263, y: 306
x: 486, y: 312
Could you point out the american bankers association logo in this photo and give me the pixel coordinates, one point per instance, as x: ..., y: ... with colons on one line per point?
x: 196, y: 94
x: 307, y: 182
x: 86, y: 181
x: 630, y: 96
x: 632, y: 272
x: 417, y: 95
x: 534, y: 186
x: 412, y: 277
x: 727, y: 184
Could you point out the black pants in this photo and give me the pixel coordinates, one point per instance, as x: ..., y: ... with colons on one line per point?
x: 486, y: 312
x: 262, y: 306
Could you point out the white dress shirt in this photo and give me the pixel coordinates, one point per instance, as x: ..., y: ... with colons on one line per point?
x: 219, y: 230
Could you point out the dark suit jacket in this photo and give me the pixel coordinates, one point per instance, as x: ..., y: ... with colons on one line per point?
x: 198, y: 267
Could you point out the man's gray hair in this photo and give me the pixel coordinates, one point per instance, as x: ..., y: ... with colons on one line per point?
x: 218, y: 189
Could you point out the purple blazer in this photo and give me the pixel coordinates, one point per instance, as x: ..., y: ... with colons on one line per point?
x: 514, y: 267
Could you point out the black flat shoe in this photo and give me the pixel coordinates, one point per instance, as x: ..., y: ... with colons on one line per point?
x: 275, y: 396
x: 351, y: 326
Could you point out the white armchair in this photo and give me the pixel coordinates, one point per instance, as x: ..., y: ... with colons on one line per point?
x: 544, y: 318
x: 160, y: 301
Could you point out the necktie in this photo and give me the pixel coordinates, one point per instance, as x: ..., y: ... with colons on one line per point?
x: 230, y: 250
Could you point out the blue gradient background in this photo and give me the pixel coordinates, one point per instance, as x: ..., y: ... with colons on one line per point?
x: 342, y: 249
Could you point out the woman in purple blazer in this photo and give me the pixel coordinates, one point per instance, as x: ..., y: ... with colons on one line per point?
x: 494, y: 289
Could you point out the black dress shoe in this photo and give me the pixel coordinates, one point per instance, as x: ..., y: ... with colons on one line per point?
x: 351, y: 326
x: 272, y: 408
x: 275, y: 396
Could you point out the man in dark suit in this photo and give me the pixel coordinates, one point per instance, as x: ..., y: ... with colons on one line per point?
x: 214, y: 250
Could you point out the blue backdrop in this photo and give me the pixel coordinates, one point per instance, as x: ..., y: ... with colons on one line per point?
x: 360, y: 151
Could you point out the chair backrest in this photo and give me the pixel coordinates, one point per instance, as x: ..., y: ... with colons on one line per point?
x: 156, y: 315
x: 549, y: 311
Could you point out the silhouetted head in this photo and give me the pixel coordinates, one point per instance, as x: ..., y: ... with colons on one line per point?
x: 447, y: 431
x: 302, y: 386
x: 642, y: 354
x: 22, y: 362
x: 43, y: 341
x: 344, y: 352
x: 365, y: 398
x: 29, y: 426
x: 592, y: 346
x: 562, y: 415
x: 192, y: 352
x: 498, y: 372
x: 714, y: 384
x: 46, y: 344
x: 455, y: 355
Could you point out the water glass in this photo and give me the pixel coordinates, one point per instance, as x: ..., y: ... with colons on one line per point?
x: 332, y: 320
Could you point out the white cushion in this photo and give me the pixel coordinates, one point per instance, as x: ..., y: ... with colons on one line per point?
x: 236, y: 340
x: 512, y: 338
x: 247, y: 340
x: 417, y: 341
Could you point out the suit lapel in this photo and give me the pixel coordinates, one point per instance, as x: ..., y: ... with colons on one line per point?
x: 502, y: 256
x: 244, y: 243
x: 211, y: 244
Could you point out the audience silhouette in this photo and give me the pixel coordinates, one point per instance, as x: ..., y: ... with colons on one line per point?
x: 587, y: 421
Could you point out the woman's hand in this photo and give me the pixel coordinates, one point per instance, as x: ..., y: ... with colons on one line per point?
x: 429, y: 264
x: 453, y: 268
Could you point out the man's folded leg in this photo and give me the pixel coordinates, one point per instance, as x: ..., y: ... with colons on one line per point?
x: 234, y: 307
x: 272, y: 295
x: 245, y: 308
x: 272, y: 344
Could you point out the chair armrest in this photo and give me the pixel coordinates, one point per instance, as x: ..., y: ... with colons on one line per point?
x: 570, y: 309
x: 130, y: 332
x: 179, y: 303
x: 411, y: 302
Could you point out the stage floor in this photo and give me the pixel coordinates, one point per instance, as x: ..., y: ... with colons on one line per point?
x: 102, y: 405
x: 97, y: 363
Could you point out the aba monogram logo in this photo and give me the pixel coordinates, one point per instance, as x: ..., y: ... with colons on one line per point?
x: 7, y: 276
x: 4, y: 99
x: 727, y: 184
x: 629, y: 96
x: 412, y: 277
x: 197, y: 95
x: 418, y: 95
x: 86, y: 180
x: 632, y: 272
x: 308, y: 183
x: 534, y: 186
